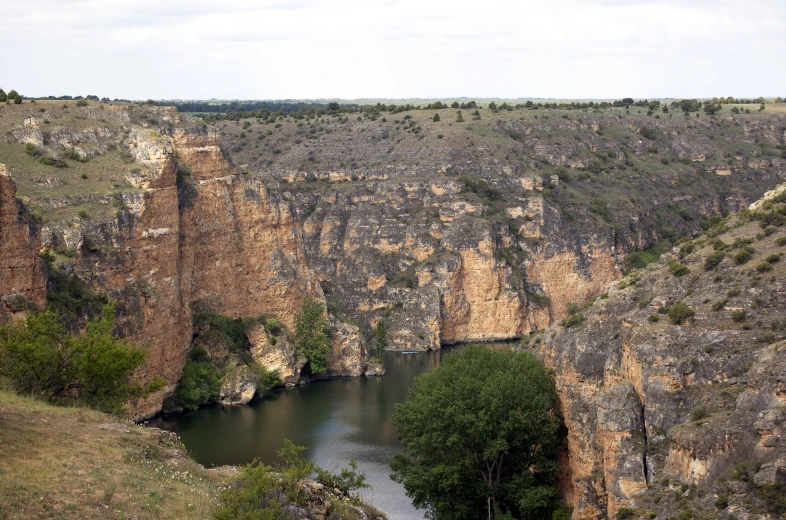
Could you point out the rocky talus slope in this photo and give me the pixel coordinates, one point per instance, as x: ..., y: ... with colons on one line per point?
x: 448, y: 231
x: 673, y: 382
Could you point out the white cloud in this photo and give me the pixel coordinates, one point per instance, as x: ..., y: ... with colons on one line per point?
x: 393, y: 48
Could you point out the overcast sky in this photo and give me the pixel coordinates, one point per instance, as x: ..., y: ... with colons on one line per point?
x: 278, y: 49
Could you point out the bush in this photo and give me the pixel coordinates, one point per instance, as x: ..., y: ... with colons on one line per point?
x: 698, y: 413
x: 773, y: 258
x: 484, y: 423
x: 781, y: 241
x: 32, y: 150
x: 53, y: 161
x: 678, y: 268
x: 381, y: 339
x: 743, y: 255
x: 199, y: 385
x: 435, y: 118
x: 653, y: 318
x: 312, y: 336
x: 764, y: 267
x: 40, y: 358
x: 712, y: 261
x: 679, y: 312
x: 739, y: 315
x: 624, y: 513
x: 81, y: 103
x: 720, y: 304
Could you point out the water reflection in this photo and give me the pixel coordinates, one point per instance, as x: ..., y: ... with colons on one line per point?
x: 338, y: 420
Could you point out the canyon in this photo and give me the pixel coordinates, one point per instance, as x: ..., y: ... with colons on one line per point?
x: 448, y: 232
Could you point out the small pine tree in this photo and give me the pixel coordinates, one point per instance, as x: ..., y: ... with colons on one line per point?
x: 3, y: 96
x: 312, y: 335
x: 459, y: 117
x: 435, y: 118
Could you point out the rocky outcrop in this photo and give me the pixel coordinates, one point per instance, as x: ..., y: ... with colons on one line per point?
x: 238, y: 386
x: 655, y: 401
x: 22, y: 280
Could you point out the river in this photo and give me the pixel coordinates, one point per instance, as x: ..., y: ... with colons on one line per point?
x: 338, y: 420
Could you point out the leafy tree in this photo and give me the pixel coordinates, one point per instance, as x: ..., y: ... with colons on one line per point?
x: 39, y: 357
x: 14, y: 97
x: 3, y: 96
x: 200, y: 383
x: 332, y: 106
x: 312, y: 335
x: 455, y: 104
x: 481, y: 432
x: 435, y: 118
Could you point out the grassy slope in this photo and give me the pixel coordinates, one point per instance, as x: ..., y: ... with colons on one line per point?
x: 77, y: 463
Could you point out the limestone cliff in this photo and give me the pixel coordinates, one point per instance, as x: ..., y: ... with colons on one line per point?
x: 22, y: 280
x: 672, y: 382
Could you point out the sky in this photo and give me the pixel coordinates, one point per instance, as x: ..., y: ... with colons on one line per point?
x: 322, y: 49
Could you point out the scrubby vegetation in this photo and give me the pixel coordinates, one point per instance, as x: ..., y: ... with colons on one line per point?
x: 312, y: 336
x: 39, y: 357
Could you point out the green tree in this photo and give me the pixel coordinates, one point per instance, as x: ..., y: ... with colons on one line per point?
x: 39, y: 357
x: 459, y: 117
x: 435, y: 118
x: 481, y: 433
x: 13, y: 95
x: 312, y: 335
x: 3, y: 96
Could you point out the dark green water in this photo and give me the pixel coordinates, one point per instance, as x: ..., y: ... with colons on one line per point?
x: 339, y: 420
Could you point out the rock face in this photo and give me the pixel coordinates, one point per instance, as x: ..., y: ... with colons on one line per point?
x: 485, y: 233
x: 238, y: 386
x: 653, y: 407
x: 22, y: 279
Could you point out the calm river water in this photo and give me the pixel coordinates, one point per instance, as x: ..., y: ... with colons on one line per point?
x: 338, y: 419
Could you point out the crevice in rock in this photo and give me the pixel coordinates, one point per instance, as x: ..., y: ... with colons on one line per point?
x: 644, y: 451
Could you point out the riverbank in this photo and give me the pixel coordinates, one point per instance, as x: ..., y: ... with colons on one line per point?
x: 61, y: 462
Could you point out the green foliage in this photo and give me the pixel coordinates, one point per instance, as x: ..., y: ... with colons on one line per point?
x: 678, y: 268
x: 234, y: 328
x: 435, y: 118
x: 481, y: 188
x: 263, y: 492
x: 40, y: 358
x: 653, y: 318
x: 312, y: 336
x: 3, y: 96
x: 739, y: 315
x: 600, y: 208
x: 644, y: 257
x: 199, y: 385
x: 647, y: 133
x: 774, y: 497
x: 743, y: 255
x: 626, y: 512
x: 698, y: 413
x: 712, y: 261
x: 81, y: 103
x: 679, y: 312
x: 720, y: 304
x: 346, y: 480
x: 484, y: 424
x: 764, y: 267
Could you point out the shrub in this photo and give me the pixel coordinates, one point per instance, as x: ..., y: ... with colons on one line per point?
x: 435, y: 118
x: 698, y: 413
x: 199, y: 385
x: 81, y: 103
x: 653, y: 318
x: 53, y: 161
x: 720, y: 304
x: 624, y: 513
x: 678, y: 268
x: 739, y: 315
x: 781, y: 241
x: 381, y: 339
x: 312, y: 336
x: 32, y: 150
x: 679, y: 312
x: 647, y: 133
x: 773, y: 258
x: 712, y: 261
x: 764, y: 267
x: 39, y: 357
x: 743, y: 255
x: 459, y: 117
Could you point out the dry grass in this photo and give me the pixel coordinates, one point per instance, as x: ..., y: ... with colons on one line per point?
x: 78, y: 463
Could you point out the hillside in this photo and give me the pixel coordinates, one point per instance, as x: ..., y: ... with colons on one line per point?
x: 448, y: 231
x: 672, y: 381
